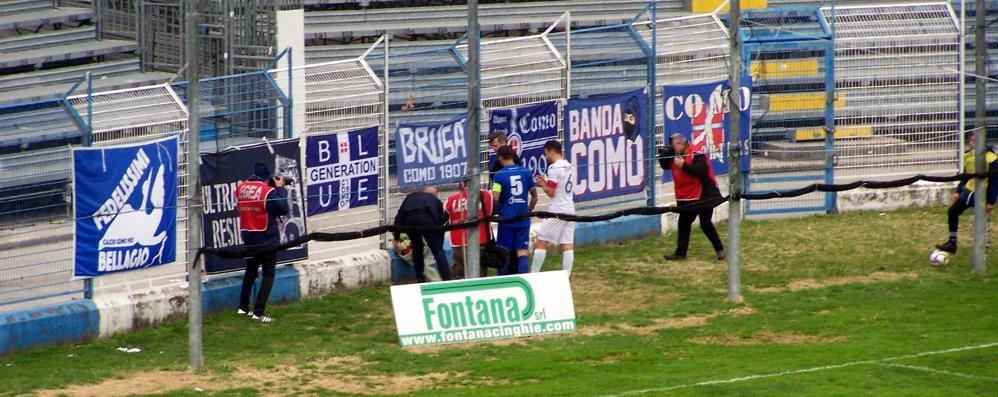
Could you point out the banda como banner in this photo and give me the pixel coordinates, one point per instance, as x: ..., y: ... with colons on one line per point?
x: 126, y: 207
x: 606, y: 138
x: 341, y: 170
x: 431, y: 153
x: 483, y: 309
x: 527, y: 128
x: 699, y: 112
x: 220, y: 172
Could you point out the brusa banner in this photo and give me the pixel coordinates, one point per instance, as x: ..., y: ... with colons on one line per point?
x: 126, y: 207
x: 341, y: 170
x: 606, y: 138
x: 431, y: 153
x: 527, y: 129
x: 700, y: 113
x: 483, y: 309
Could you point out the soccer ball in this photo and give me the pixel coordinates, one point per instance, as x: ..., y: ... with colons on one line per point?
x: 939, y: 258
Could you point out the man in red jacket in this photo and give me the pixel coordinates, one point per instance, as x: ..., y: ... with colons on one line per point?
x: 696, y: 187
x: 457, y: 209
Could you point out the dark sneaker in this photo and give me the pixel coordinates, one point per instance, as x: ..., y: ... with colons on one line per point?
x: 949, y: 246
x: 721, y: 255
x: 674, y: 257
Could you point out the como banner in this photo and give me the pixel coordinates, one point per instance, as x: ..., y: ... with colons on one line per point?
x: 220, y: 172
x: 483, y: 309
x: 605, y: 140
x: 431, y: 153
x: 699, y: 112
x: 125, y: 200
x: 341, y: 170
x: 527, y: 128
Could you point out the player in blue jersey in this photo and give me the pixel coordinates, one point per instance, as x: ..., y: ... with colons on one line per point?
x: 511, y: 187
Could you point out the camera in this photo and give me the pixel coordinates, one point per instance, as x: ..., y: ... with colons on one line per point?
x: 273, y: 180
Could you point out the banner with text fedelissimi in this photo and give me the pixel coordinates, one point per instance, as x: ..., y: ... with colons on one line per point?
x: 126, y: 207
x: 483, y: 309
x: 431, y: 153
x: 605, y: 139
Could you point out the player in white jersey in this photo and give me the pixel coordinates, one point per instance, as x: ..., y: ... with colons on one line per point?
x: 558, y: 186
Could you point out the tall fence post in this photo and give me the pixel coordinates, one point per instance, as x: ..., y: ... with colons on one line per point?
x: 734, y: 154
x: 981, y: 134
x: 652, y: 106
x: 194, y: 210
x: 88, y: 139
x: 474, y: 136
x: 831, y: 198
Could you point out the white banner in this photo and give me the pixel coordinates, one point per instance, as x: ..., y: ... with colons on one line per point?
x: 483, y: 309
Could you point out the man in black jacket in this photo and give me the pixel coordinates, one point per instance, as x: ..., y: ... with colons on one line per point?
x: 693, y: 179
x: 424, y: 209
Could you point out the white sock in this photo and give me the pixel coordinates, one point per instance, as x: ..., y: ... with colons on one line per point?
x: 567, y: 260
x: 539, y: 255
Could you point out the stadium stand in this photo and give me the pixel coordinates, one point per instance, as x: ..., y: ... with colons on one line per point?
x: 44, y: 50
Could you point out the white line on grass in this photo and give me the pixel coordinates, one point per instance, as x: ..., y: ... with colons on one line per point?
x: 940, y: 371
x: 804, y: 370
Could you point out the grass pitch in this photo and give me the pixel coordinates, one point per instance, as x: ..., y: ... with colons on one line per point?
x: 834, y: 305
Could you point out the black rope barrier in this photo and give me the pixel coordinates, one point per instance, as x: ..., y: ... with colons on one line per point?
x: 242, y: 251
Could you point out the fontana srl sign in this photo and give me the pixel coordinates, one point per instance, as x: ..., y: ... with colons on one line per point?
x: 483, y: 309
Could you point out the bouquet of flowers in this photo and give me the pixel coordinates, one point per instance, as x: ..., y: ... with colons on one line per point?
x: 405, y: 252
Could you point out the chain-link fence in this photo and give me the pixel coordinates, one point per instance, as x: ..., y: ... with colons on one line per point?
x: 895, y: 106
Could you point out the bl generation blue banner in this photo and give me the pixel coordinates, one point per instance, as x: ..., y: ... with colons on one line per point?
x: 126, y: 207
x: 341, y: 170
x: 431, y: 153
x: 527, y: 128
x: 606, y: 138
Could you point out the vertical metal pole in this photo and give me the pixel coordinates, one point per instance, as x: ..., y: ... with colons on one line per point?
x: 980, y: 78
x: 962, y: 86
x: 88, y: 140
x: 99, y: 16
x: 568, y: 56
x: 831, y: 198
x: 289, y: 131
x: 194, y: 212
x: 650, y: 153
x: 384, y: 144
x: 474, y: 137
x: 734, y: 154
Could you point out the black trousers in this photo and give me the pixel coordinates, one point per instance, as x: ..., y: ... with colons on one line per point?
x: 269, y: 263
x: 435, y: 241
x: 686, y: 226
x: 962, y: 203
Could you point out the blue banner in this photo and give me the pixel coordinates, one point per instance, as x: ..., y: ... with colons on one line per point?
x: 126, y: 207
x: 221, y: 172
x: 699, y: 113
x: 431, y: 153
x: 341, y: 170
x: 527, y: 128
x: 605, y: 140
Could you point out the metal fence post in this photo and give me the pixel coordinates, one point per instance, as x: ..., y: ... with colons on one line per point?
x: 734, y: 158
x: 474, y: 137
x: 652, y: 107
x: 194, y: 210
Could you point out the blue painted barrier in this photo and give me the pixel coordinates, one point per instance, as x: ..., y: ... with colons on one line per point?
x: 67, y: 322
x: 222, y: 294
